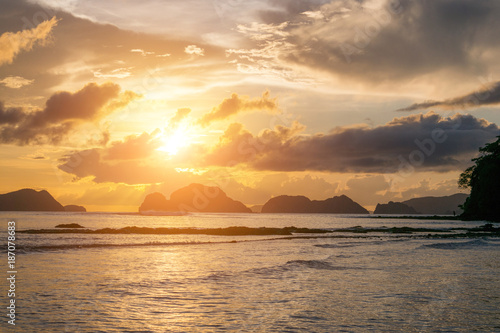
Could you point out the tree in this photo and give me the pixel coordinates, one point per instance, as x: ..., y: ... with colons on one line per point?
x: 483, y: 179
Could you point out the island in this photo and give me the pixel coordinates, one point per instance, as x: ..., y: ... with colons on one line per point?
x: 193, y: 198
x: 394, y: 208
x: 301, y: 204
x: 75, y: 208
x: 29, y: 200
x: 446, y: 205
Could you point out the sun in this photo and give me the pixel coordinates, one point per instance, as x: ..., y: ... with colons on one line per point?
x: 173, y: 141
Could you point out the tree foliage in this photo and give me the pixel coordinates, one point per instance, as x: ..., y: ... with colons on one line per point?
x: 483, y: 179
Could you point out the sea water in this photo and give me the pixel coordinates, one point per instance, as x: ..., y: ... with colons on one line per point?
x: 342, y: 282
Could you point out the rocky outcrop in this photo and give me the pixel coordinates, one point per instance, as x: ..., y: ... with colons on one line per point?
x: 394, y: 208
x: 74, y: 208
x: 29, y: 200
x: 194, y: 198
x: 301, y: 204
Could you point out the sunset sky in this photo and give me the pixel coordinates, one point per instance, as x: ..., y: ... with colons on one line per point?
x: 103, y: 102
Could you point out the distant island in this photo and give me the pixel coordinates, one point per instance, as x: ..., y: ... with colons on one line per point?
x: 193, y: 198
x: 201, y: 198
x: 394, y: 208
x: 447, y: 205
x: 301, y: 204
x: 74, y: 208
x: 31, y: 200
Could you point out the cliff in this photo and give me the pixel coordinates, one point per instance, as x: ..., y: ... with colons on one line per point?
x: 394, y: 208
x: 300, y: 204
x: 194, y: 198
x: 29, y: 200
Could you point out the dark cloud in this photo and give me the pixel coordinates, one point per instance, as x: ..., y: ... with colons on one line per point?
x: 62, y: 113
x: 423, y: 142
x: 489, y: 95
x: 401, y: 40
x: 236, y: 104
x: 10, y: 115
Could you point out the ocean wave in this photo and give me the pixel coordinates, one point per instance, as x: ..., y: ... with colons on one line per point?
x: 315, y: 264
x: 477, y: 243
x: 58, y: 247
x: 229, y: 231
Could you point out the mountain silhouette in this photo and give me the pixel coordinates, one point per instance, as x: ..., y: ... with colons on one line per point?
x: 447, y: 205
x: 29, y: 200
x: 194, y: 198
x: 301, y: 204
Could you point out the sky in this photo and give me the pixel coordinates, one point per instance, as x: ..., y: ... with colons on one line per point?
x: 104, y: 102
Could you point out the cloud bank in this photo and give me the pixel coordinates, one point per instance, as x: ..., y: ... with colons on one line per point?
x: 489, y: 95
x: 428, y: 142
x: 375, y: 42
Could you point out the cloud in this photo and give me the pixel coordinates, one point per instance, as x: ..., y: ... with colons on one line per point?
x: 194, y: 50
x: 488, y: 95
x: 119, y: 73
x: 179, y: 116
x: 376, y: 42
x: 119, y: 165
x: 10, y: 115
x: 236, y: 104
x: 15, y: 82
x: 63, y: 112
x: 133, y: 160
x: 133, y: 147
x: 424, y: 142
x: 11, y: 44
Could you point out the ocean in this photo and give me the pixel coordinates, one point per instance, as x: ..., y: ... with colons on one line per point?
x: 363, y: 277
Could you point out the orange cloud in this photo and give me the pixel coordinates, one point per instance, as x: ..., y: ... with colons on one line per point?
x: 236, y: 104
x: 11, y: 44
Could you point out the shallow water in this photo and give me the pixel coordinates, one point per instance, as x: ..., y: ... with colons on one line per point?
x: 201, y: 283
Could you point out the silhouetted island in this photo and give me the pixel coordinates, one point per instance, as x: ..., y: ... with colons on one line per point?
x: 447, y: 205
x: 301, y: 204
x: 438, y: 205
x: 394, y: 208
x: 69, y: 226
x: 29, y: 200
x: 74, y: 208
x: 194, y: 198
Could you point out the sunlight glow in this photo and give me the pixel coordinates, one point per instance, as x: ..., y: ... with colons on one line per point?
x: 174, y: 141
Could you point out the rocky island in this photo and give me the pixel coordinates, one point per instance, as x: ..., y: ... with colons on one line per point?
x: 193, y: 198
x: 301, y: 204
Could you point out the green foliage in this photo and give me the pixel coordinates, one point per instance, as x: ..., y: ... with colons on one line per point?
x: 483, y: 179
